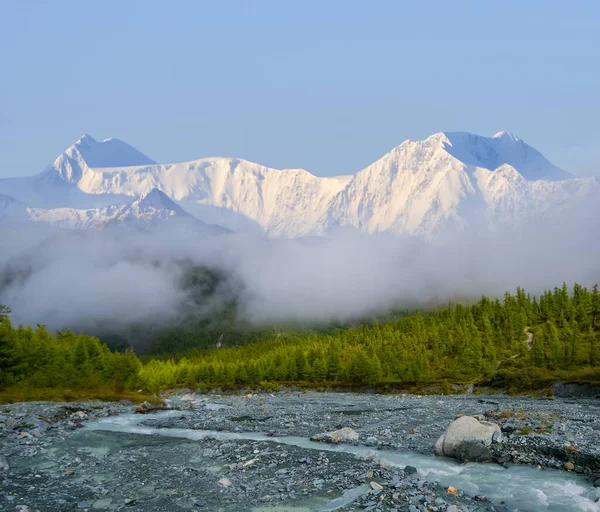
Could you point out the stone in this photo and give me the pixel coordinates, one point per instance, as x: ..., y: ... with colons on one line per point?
x: 569, y: 466
x: 84, y: 504
x: 376, y: 487
x: 452, y: 490
x: 343, y: 435
x: 79, y: 416
x: 102, y: 504
x: 4, y: 466
x: 225, y: 482
x: 597, y: 483
x: 465, y: 428
x: 473, y: 451
x: 147, y: 407
x: 410, y: 470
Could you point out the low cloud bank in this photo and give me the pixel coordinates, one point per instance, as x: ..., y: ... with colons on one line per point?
x: 73, y: 279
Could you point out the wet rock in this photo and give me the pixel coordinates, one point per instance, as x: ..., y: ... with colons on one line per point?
x: 410, y: 470
x: 473, y: 451
x: 4, y: 466
x: 147, y: 408
x: 463, y: 429
x: 78, y: 416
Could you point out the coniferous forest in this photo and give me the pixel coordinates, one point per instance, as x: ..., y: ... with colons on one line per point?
x: 516, y: 343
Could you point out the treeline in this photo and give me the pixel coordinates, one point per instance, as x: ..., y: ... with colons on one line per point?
x: 520, y: 341
x: 35, y: 359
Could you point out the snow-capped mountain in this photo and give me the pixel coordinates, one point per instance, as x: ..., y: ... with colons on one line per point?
x: 424, y: 187
x: 56, y: 186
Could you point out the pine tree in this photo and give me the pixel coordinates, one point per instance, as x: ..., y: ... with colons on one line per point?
x: 594, y: 348
x: 574, y: 340
x: 555, y: 345
x: 595, y: 306
x: 334, y: 367
x: 8, y: 354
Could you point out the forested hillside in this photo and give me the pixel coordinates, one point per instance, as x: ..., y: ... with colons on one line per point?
x: 34, y: 360
x: 519, y: 342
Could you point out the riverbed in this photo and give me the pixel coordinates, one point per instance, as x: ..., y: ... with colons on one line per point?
x: 253, y: 452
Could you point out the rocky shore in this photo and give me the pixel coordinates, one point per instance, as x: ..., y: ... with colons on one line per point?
x: 51, y: 459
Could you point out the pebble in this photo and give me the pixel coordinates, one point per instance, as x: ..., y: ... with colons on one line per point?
x: 225, y: 482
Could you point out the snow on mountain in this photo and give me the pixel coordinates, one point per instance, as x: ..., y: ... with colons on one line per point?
x: 503, y: 148
x: 453, y: 179
x: 88, y: 153
x: 148, y: 212
x: 450, y: 180
x: 233, y: 192
x: 412, y: 189
x: 57, y: 185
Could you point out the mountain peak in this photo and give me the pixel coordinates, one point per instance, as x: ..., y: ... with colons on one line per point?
x: 507, y: 136
x: 85, y: 139
x: 88, y: 153
x: 158, y: 199
x: 503, y: 148
x: 108, y: 153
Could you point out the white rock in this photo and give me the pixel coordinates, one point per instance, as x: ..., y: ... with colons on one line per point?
x: 225, y: 482
x: 465, y: 428
x: 343, y: 435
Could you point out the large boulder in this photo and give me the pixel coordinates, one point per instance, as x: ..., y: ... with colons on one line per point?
x: 463, y: 434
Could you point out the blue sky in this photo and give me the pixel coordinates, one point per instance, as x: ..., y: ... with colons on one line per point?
x: 329, y: 86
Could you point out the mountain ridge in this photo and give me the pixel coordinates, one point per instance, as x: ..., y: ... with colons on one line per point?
x: 417, y: 188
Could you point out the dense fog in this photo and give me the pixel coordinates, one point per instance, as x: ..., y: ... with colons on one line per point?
x: 72, y: 279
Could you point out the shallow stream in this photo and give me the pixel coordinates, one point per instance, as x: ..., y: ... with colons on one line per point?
x: 520, y: 488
